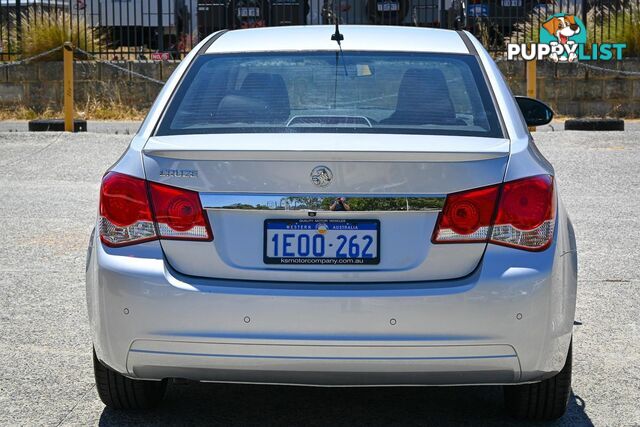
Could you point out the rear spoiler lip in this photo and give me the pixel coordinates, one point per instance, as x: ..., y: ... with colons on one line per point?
x: 327, y: 147
x: 328, y: 156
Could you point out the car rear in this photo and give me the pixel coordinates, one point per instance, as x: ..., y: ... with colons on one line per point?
x: 333, y: 217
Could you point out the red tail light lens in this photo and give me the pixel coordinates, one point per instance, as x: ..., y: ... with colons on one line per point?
x: 526, y: 203
x: 179, y: 214
x: 524, y: 217
x: 126, y: 216
x: 466, y: 216
x: 526, y: 214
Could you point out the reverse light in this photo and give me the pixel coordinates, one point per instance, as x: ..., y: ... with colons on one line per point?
x: 128, y: 217
x: 518, y: 213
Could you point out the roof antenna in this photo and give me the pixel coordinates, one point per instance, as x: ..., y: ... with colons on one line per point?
x: 337, y: 36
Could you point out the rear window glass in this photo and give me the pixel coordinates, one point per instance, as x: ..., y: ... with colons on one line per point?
x: 362, y: 92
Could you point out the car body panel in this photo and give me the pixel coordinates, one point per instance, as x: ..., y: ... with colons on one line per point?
x: 358, y: 38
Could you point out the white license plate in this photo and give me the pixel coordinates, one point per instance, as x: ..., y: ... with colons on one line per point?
x: 248, y: 12
x: 388, y: 7
x: 511, y: 3
x: 320, y: 241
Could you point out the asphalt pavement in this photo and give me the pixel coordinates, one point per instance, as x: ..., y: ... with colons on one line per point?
x: 49, y: 192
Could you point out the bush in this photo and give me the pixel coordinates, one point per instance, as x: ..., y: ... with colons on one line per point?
x: 43, y: 30
x: 616, y: 26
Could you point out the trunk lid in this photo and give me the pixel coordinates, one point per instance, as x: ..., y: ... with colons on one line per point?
x: 396, y: 181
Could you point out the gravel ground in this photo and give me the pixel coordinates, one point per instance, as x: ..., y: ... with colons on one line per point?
x: 49, y: 191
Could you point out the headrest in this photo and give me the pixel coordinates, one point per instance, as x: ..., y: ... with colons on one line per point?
x: 423, y: 98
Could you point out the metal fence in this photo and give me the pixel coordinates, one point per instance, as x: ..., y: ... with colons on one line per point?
x: 163, y: 29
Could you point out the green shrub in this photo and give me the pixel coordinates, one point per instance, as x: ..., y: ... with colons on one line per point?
x: 616, y: 26
x: 43, y: 31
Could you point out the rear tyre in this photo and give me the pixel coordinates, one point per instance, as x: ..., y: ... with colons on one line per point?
x: 119, y: 392
x: 543, y: 401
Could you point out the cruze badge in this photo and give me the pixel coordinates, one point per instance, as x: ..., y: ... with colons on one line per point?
x: 178, y: 173
x: 321, y: 176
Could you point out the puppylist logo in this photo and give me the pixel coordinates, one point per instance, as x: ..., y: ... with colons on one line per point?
x: 563, y: 38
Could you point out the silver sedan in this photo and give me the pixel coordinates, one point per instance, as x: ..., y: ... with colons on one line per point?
x: 356, y: 206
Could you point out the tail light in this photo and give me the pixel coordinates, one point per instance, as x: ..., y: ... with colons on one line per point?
x: 526, y: 214
x: 178, y: 213
x: 467, y: 216
x: 125, y: 214
x: 129, y: 215
x: 518, y: 214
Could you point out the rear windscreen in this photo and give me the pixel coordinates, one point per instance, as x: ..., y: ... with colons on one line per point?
x: 365, y: 92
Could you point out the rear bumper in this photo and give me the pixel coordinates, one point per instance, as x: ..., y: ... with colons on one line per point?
x: 508, y: 322
x: 323, y: 363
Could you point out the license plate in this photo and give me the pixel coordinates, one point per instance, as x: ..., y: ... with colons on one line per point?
x: 248, y: 12
x: 511, y: 3
x: 388, y: 7
x: 318, y: 241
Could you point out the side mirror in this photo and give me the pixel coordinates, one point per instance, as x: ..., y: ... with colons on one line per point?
x: 536, y: 113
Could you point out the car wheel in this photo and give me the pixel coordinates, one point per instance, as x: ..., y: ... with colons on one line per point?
x: 119, y: 392
x: 546, y: 400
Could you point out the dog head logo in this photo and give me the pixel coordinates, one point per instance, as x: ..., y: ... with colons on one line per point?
x: 562, y: 27
x: 563, y: 32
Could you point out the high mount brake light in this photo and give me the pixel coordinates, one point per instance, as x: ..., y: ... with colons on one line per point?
x: 524, y: 215
x: 127, y: 215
